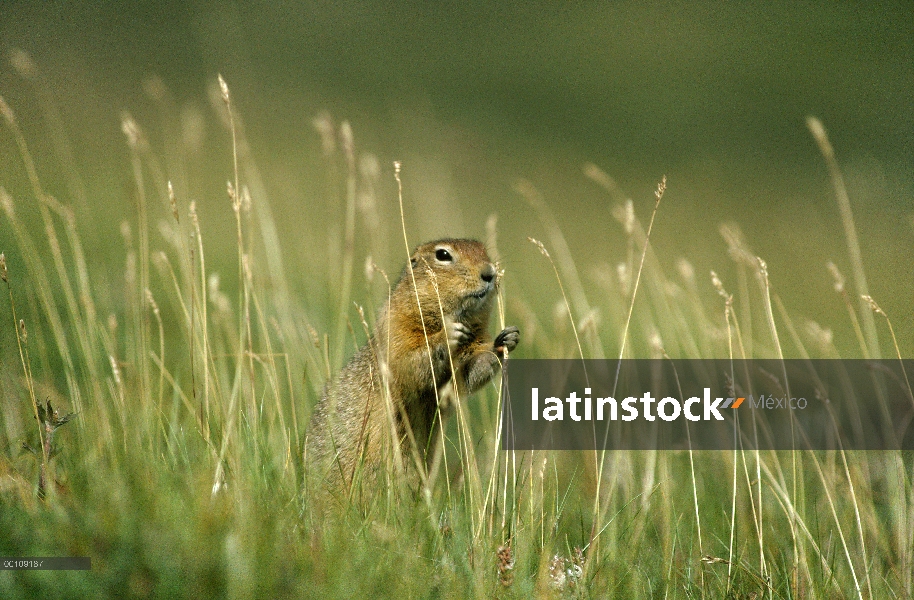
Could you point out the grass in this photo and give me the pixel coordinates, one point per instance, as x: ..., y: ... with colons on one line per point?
x: 182, y: 473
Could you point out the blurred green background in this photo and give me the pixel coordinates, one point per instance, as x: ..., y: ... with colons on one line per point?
x: 473, y: 96
x: 477, y: 99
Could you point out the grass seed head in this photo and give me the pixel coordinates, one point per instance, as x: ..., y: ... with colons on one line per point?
x: 560, y: 317
x: 590, y: 321
x: 718, y: 285
x: 629, y: 217
x: 155, y: 88
x: 821, y: 335
x: 136, y: 139
x: 7, y: 112
x: 173, y: 201
x: 369, y: 269
x: 126, y: 232
x: 625, y: 278
x: 661, y: 187
x: 22, y: 62
x: 216, y: 296
x: 686, y: 270
x: 736, y: 245
x: 347, y: 140
x: 6, y: 201
x: 370, y: 171
x: 624, y: 213
x: 160, y: 262
x: 3, y: 267
x: 539, y: 245
x: 315, y: 338
x: 152, y: 302
x: 369, y: 167
x: 601, y: 178
x: 233, y: 196
x: 818, y: 132
x: 223, y: 87
x: 655, y: 342
x: 115, y: 370
x: 873, y: 306
x: 836, y: 275
x: 245, y: 199
x: 247, y: 267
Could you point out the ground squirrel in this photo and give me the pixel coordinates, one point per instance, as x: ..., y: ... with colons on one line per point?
x: 417, y: 350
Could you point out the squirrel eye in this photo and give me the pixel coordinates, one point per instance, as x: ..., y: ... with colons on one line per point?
x: 443, y: 255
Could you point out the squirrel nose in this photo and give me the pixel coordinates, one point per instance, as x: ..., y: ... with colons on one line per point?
x: 488, y: 273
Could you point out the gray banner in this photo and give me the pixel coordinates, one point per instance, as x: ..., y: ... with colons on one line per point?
x: 708, y: 404
x: 46, y: 563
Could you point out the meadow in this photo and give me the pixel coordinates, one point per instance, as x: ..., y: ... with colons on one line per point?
x: 155, y: 408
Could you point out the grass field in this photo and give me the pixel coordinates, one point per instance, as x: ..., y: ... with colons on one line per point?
x: 181, y: 473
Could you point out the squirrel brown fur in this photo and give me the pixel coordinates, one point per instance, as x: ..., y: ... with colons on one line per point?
x: 427, y: 332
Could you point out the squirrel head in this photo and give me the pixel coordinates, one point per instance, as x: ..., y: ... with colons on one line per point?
x: 453, y: 276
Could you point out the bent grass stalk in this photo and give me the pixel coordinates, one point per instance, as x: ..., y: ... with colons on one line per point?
x: 798, y: 548
x: 850, y: 232
x: 694, y: 484
x: 658, y: 194
x: 348, y: 144
x: 46, y: 204
x: 491, y: 487
x: 23, y: 357
x: 840, y: 288
x: 383, y: 362
x: 423, y: 473
x: 758, y: 514
x: 905, y: 518
x: 462, y: 433
x: 563, y: 253
x: 577, y: 339
x: 812, y: 454
x: 876, y: 309
x: 136, y: 141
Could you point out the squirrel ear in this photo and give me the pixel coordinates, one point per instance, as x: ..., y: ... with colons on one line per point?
x: 414, y: 261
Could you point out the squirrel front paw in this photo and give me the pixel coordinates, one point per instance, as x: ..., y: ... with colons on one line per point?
x: 458, y: 334
x: 507, y: 339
